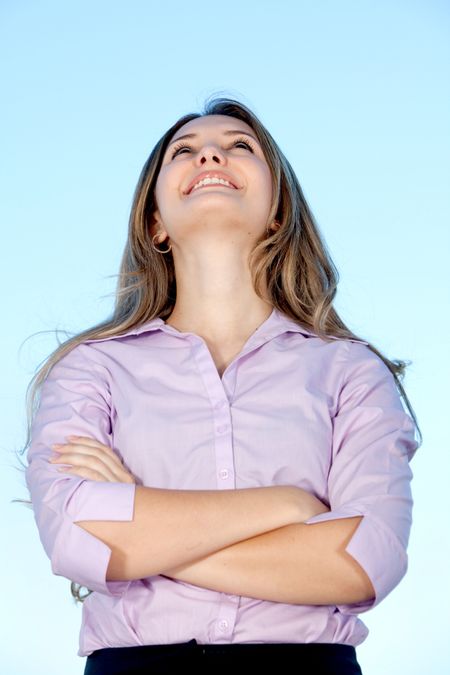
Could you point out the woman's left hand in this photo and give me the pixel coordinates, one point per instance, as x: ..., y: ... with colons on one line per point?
x: 90, y: 459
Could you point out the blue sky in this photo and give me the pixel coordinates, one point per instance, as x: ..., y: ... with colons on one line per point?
x: 357, y: 96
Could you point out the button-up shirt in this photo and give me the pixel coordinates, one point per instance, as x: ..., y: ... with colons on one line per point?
x: 290, y: 409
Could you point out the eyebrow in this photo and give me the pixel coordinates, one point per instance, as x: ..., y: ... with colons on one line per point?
x: 226, y: 133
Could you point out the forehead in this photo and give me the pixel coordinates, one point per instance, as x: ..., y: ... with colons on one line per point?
x: 212, y: 123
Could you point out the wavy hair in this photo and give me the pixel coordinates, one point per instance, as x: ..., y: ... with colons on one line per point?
x: 293, y: 262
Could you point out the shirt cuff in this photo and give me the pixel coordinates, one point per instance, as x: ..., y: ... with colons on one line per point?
x: 77, y: 554
x: 376, y: 549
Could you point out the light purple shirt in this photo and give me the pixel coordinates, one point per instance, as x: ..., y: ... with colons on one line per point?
x: 290, y: 409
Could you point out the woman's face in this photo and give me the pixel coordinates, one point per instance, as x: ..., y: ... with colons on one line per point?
x: 235, y: 215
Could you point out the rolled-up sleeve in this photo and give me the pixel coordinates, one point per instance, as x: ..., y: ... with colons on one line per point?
x: 75, y: 399
x: 370, y: 474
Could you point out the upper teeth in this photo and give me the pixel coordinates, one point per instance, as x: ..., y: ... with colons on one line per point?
x: 207, y: 181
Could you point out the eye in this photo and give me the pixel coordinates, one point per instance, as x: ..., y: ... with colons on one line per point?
x: 184, y: 146
x: 249, y: 146
x: 177, y: 148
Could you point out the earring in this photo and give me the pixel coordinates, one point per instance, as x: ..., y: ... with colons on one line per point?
x: 158, y: 250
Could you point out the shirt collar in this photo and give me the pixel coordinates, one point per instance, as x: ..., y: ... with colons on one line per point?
x: 275, y: 324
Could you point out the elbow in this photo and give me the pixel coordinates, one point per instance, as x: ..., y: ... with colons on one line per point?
x: 126, y: 560
x: 364, y: 589
x: 367, y: 593
x: 120, y: 566
x: 63, y: 515
x: 84, y: 559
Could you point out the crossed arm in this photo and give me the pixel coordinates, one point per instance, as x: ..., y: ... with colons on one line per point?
x: 201, y: 538
x: 298, y: 564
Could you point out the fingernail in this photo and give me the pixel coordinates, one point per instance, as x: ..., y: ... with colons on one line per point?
x: 57, y: 445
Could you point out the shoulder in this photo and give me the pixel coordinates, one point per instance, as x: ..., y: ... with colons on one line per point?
x: 358, y: 356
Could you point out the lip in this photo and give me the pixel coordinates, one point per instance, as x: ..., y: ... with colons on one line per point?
x: 210, y: 174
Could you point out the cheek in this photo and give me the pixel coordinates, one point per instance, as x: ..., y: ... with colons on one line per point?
x: 265, y: 175
x: 168, y: 182
x: 159, y: 189
x: 161, y: 196
x: 268, y: 187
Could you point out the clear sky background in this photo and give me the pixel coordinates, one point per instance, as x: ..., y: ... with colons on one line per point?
x: 356, y: 93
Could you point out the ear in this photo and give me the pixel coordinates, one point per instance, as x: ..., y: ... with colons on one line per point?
x: 156, y: 219
x: 157, y: 226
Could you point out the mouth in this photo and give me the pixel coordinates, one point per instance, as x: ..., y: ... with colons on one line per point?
x: 212, y: 185
x: 216, y: 176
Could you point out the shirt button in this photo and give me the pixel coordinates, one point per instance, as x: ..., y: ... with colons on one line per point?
x: 221, y: 428
x: 224, y: 473
x: 223, y: 625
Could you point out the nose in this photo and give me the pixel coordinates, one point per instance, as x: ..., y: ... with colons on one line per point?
x: 210, y: 152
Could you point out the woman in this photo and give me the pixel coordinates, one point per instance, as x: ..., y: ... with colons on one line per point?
x: 221, y: 411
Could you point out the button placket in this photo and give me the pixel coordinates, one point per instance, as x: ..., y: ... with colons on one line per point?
x: 226, y: 620
x: 218, y: 393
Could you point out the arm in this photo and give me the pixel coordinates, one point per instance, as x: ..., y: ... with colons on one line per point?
x: 293, y: 563
x: 370, y: 474
x: 357, y: 562
x: 173, y: 527
x: 103, y: 534
x: 264, y: 566
x: 296, y: 564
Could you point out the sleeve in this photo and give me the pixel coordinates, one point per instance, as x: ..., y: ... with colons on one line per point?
x: 75, y: 399
x: 370, y: 475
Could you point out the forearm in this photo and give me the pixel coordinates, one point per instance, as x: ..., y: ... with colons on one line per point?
x: 176, y: 527
x: 297, y: 564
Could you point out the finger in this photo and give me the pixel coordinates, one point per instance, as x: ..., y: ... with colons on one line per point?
x: 109, y: 458
x: 114, y: 473
x: 86, y: 461
x: 85, y: 472
x: 91, y: 474
x: 92, y: 442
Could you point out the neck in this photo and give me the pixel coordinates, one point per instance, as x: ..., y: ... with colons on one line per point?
x: 216, y: 299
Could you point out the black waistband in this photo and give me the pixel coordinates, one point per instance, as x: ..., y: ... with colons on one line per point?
x: 332, y: 658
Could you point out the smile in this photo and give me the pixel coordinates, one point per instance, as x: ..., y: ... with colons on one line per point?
x: 208, y: 182
x: 213, y: 185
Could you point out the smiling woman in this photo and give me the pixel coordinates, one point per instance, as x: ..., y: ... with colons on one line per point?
x: 230, y: 476
x: 239, y: 207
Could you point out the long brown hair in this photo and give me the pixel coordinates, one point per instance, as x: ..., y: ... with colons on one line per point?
x: 293, y: 261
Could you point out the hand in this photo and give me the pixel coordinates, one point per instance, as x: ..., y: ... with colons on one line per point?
x: 310, y: 505
x: 91, y: 459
